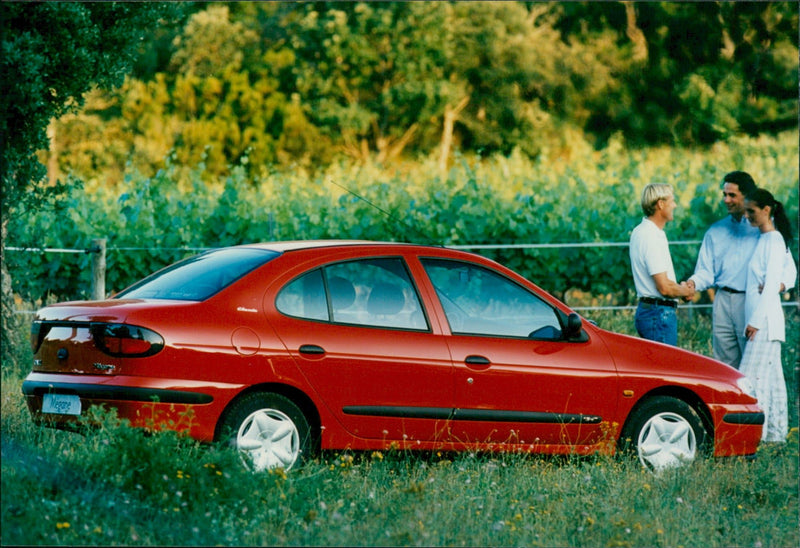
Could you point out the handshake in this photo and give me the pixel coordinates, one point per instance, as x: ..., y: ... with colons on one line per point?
x: 688, y: 291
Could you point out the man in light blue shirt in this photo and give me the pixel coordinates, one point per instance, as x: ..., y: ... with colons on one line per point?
x: 722, y: 264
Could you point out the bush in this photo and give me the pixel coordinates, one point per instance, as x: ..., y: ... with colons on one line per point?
x: 499, y: 200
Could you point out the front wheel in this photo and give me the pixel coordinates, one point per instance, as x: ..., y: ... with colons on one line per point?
x: 665, y: 432
x: 269, y: 430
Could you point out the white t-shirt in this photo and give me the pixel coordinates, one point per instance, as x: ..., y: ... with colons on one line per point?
x: 649, y: 251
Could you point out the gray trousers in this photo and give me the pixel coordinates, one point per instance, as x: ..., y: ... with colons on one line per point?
x: 728, y: 327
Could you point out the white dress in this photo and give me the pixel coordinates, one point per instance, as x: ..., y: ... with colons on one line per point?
x: 761, y: 362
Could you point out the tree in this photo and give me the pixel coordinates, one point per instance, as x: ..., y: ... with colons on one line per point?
x: 52, y: 53
x: 691, y: 72
x: 518, y: 72
x: 217, y: 100
x: 370, y: 74
x: 386, y: 77
x: 291, y: 84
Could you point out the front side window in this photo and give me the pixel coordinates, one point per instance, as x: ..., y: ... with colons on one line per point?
x: 369, y: 292
x: 479, y: 301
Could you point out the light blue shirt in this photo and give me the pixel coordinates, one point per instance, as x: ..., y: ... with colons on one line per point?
x: 725, y: 254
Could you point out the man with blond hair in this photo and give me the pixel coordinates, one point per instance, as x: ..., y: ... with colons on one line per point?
x: 653, y: 274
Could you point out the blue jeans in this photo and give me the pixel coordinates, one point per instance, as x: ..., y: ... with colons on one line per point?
x: 657, y: 323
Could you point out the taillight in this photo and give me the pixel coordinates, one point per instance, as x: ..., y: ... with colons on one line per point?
x: 126, y: 341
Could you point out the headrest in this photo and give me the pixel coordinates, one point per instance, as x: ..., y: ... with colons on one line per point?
x: 343, y: 294
x: 385, y: 299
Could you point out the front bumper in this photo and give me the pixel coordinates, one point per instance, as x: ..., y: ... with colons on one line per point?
x: 737, y: 430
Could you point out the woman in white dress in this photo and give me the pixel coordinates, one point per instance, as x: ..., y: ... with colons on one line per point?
x: 766, y: 328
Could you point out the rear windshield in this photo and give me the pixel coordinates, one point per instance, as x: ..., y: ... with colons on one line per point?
x: 198, y: 278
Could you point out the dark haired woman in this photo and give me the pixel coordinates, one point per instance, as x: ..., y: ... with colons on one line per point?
x: 766, y: 328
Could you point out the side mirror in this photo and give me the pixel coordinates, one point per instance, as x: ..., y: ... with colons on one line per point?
x: 574, y: 326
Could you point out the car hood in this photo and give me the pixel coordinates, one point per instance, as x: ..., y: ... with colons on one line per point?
x: 636, y: 355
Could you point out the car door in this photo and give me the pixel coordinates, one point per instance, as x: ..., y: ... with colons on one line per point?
x: 358, y: 331
x: 517, y: 379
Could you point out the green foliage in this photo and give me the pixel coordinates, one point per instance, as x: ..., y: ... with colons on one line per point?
x: 700, y: 71
x: 117, y: 486
x: 220, y: 104
x: 302, y: 84
x: 51, y: 54
x: 498, y: 200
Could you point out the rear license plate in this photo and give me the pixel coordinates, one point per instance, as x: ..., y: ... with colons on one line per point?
x: 61, y: 404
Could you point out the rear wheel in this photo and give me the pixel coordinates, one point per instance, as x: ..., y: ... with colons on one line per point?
x: 665, y: 432
x: 269, y: 430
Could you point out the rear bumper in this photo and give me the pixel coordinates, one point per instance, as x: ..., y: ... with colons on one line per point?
x: 121, y: 393
x: 160, y: 404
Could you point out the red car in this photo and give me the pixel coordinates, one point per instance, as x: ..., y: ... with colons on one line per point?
x: 283, y: 349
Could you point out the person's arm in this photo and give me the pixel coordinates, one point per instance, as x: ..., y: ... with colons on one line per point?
x: 670, y: 289
x: 703, y: 276
x: 789, y: 272
x: 769, y: 290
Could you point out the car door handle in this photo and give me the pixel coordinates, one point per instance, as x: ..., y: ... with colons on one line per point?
x: 477, y: 360
x: 311, y: 349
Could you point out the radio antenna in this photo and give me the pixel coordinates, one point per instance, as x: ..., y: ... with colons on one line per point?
x: 389, y: 215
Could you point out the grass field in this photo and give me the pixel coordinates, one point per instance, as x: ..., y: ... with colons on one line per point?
x: 117, y: 486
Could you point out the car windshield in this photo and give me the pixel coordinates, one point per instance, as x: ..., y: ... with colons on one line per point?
x: 198, y: 278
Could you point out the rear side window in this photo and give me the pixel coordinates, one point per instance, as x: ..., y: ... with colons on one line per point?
x: 198, y: 278
x: 371, y: 292
x: 305, y: 297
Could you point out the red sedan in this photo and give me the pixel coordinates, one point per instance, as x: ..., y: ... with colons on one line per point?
x: 283, y: 349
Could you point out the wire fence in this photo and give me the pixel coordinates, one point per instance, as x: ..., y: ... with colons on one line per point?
x: 474, y: 247
x: 465, y: 247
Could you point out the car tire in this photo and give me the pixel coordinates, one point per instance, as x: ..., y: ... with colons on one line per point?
x: 269, y: 430
x: 665, y: 432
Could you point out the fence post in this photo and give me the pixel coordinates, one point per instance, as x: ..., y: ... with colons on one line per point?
x: 98, y: 269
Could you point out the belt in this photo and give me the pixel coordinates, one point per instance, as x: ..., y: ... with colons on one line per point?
x: 660, y: 302
x: 729, y: 290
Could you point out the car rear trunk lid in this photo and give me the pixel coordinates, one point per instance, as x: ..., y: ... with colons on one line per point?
x: 69, y: 347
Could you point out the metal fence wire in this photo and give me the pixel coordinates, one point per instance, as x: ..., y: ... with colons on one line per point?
x: 98, y: 247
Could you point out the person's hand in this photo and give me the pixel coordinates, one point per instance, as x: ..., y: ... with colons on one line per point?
x: 750, y: 332
x: 688, y: 286
x: 761, y: 288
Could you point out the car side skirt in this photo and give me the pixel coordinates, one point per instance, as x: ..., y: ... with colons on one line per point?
x: 487, y: 415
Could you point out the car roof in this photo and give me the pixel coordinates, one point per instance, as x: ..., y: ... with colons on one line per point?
x: 289, y: 246
x: 294, y: 245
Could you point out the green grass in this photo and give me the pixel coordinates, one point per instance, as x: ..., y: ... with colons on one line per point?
x: 117, y: 486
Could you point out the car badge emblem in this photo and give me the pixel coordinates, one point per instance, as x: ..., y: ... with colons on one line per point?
x: 103, y: 366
